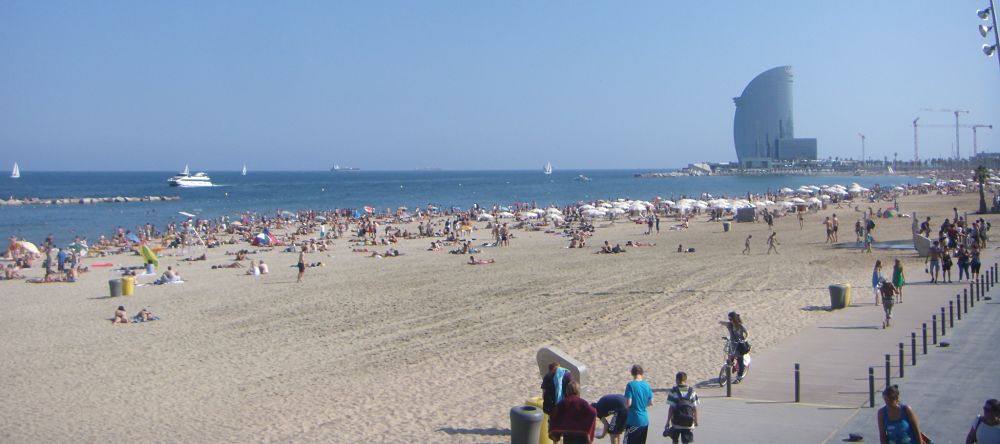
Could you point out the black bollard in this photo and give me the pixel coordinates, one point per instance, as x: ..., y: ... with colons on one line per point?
x: 797, y: 382
x: 925, y: 338
x: 901, y: 359
x: 729, y: 381
x: 871, y: 387
x: 958, y: 305
x: 965, y: 301
x: 933, y: 330
x: 943, y: 331
x: 951, y: 314
x: 888, y: 370
x: 913, y: 348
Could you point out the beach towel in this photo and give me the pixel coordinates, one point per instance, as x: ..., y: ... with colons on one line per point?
x: 137, y: 319
x: 560, y: 372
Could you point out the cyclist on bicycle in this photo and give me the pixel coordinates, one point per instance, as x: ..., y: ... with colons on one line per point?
x: 737, y: 341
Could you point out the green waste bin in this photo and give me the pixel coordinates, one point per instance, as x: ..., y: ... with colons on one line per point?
x: 840, y: 296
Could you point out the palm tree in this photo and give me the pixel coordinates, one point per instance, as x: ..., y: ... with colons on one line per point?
x: 982, y: 174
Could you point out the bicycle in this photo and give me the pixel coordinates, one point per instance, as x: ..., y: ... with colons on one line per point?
x: 732, y: 362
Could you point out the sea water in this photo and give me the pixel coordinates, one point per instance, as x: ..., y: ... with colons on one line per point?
x: 271, y: 191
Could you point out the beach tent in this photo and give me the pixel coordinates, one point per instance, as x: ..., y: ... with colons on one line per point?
x: 148, y: 255
x: 264, y: 239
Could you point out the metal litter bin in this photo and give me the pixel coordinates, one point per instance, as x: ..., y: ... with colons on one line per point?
x: 726, y: 226
x: 116, y: 287
x: 525, y: 424
x: 840, y: 296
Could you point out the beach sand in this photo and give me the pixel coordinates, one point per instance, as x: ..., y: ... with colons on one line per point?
x: 417, y: 348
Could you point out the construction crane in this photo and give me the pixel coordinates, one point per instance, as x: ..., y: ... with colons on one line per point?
x: 958, y: 153
x: 975, y: 149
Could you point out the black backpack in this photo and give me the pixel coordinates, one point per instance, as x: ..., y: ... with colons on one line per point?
x: 683, y: 414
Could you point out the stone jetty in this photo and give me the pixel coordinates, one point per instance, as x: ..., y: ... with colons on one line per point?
x: 84, y: 200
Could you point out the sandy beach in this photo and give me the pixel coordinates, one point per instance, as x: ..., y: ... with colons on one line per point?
x: 417, y: 348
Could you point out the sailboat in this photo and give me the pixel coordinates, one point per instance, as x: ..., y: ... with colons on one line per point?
x: 244, y: 173
x: 186, y: 172
x: 548, y: 168
x: 16, y: 173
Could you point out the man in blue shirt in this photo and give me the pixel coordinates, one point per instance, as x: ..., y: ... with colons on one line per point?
x: 638, y: 397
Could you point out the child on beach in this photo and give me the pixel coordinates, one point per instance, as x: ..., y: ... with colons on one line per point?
x: 746, y: 244
x: 888, y: 293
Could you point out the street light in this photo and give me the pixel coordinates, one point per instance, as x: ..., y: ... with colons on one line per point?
x: 989, y: 14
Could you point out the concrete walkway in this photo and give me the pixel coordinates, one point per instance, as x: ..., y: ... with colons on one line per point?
x: 947, y: 388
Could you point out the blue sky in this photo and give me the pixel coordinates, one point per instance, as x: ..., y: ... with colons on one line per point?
x: 125, y: 85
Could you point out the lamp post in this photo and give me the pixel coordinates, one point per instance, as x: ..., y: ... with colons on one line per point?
x: 989, y: 13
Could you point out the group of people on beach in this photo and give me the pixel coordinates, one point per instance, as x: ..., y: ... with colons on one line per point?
x: 573, y: 420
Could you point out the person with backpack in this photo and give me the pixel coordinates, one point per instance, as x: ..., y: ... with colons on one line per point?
x: 986, y: 427
x: 682, y: 411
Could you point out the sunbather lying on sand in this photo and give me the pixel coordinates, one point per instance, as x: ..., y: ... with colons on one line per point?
x: 639, y: 244
x: 474, y: 261
x: 232, y: 265
x: 145, y: 316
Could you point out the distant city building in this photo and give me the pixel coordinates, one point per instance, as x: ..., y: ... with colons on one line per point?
x: 763, y: 128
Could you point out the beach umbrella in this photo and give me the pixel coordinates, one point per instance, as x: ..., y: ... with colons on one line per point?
x: 77, y: 247
x: 319, y: 218
x: 182, y: 213
x: 132, y: 237
x: 262, y: 239
x: 556, y: 217
x: 668, y: 203
x: 702, y: 205
x: 369, y: 210
x: 593, y: 212
x: 538, y: 211
x: 506, y: 214
x: 586, y: 207
x: 553, y: 211
x: 797, y: 200
x: 527, y: 215
x: 485, y: 217
x: 787, y: 191
x: 236, y: 223
x: 616, y: 211
x: 148, y: 255
x: 29, y: 247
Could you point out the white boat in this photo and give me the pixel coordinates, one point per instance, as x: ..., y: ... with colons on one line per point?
x: 16, y: 173
x: 244, y: 169
x: 582, y: 178
x: 187, y: 180
x: 548, y: 168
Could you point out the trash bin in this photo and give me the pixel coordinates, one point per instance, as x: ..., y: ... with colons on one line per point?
x: 725, y: 226
x: 840, y: 296
x: 525, y: 424
x: 128, y: 286
x: 150, y: 269
x: 116, y: 287
x: 543, y: 430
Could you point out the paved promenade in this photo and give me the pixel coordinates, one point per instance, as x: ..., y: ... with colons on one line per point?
x: 947, y: 388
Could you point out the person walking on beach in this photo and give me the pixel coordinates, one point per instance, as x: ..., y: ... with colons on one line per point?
x: 897, y: 423
x: 802, y: 220
x: 986, y: 427
x: 898, y: 280
x: 946, y: 264
x: 738, y: 341
x: 615, y: 406
x: 888, y: 292
x: 657, y: 223
x: 573, y: 419
x: 934, y: 259
x: 638, y: 397
x: 877, y: 279
x: 649, y: 225
x: 302, y: 266
x: 746, y: 244
x: 772, y: 242
x: 835, y: 223
x: 682, y: 411
x: 829, y: 230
